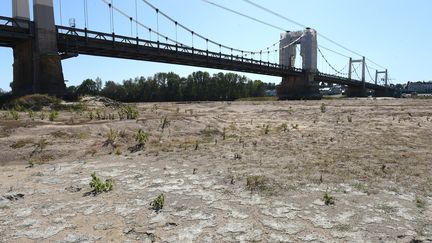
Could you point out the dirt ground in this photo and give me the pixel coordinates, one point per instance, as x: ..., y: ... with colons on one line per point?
x: 229, y: 172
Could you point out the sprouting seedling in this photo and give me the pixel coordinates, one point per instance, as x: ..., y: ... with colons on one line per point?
x: 165, y: 123
x: 158, y: 203
x: 141, y: 137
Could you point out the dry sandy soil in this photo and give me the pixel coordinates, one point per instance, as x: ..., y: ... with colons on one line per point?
x: 229, y: 172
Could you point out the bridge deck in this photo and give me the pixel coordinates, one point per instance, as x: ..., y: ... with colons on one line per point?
x: 73, y: 41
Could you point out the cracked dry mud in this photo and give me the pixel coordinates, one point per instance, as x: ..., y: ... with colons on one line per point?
x: 373, y: 156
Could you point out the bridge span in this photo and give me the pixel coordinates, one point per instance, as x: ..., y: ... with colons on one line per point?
x: 40, y: 47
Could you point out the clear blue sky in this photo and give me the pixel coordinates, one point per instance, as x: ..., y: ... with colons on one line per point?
x: 396, y: 34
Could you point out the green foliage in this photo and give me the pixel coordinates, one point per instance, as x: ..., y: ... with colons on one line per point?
x: 165, y: 123
x: 158, y: 203
x: 141, y: 137
x: 284, y: 127
x: 172, y: 87
x: 420, y: 203
x: 42, y: 115
x: 53, y: 115
x: 111, y: 136
x: 266, y: 129
x: 128, y: 112
x: 14, y: 114
x: 323, y: 108
x: 33, y: 102
x: 98, y: 186
x: 256, y: 182
x: 31, y: 114
x: 328, y: 199
x: 349, y: 118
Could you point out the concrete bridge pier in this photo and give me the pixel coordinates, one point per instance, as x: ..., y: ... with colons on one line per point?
x: 356, y: 91
x: 37, y: 64
x: 299, y: 88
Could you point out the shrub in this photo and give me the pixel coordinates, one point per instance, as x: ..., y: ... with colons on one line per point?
x: 323, y: 108
x: 98, y: 186
x: 141, y: 137
x: 328, y: 199
x: 128, y: 112
x: 158, y: 203
x: 257, y: 182
x: 14, y: 114
x: 34, y: 102
x: 284, y: 127
x: 53, y: 115
x: 111, y: 137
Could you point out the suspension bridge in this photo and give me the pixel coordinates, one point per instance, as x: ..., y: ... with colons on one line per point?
x: 39, y: 45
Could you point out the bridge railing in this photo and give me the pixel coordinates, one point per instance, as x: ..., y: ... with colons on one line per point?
x: 19, y: 24
x: 89, y: 34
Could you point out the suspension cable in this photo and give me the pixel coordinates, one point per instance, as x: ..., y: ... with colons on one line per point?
x: 195, y: 34
x: 370, y: 76
x: 331, y: 66
x: 112, y: 8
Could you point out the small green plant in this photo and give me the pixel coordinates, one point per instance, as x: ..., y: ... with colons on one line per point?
x: 91, y: 115
x: 141, y: 137
x: 256, y: 182
x: 31, y: 114
x: 420, y: 203
x: 284, y: 127
x: 14, y: 114
x: 196, y: 145
x: 42, y: 115
x: 98, y: 186
x: 53, y: 115
x: 349, y: 119
x: 224, y: 133
x: 323, y: 108
x: 158, y: 203
x: 111, y: 137
x: 328, y: 199
x: 165, y: 123
x: 266, y: 129
x: 118, y: 151
x: 129, y: 112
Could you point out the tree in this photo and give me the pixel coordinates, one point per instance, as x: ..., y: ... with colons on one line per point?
x: 87, y: 87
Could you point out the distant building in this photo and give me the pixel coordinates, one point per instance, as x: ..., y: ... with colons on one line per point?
x: 419, y: 87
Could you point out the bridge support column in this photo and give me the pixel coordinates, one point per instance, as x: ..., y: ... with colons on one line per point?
x: 23, y: 68
x: 23, y: 53
x: 299, y: 88
x: 37, y: 64
x: 356, y: 91
x: 48, y: 69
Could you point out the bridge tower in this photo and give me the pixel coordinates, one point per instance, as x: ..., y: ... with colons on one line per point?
x: 357, y: 91
x: 37, y: 64
x: 304, y: 86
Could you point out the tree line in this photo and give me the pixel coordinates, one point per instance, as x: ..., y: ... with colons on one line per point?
x: 198, y: 86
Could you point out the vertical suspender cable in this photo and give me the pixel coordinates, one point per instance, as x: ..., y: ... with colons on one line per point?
x: 131, y: 24
x: 136, y: 17
x: 110, y: 13
x: 176, y: 32
x: 60, y: 10
x: 112, y: 16
x: 192, y: 39
x: 157, y: 23
x: 85, y: 14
